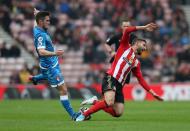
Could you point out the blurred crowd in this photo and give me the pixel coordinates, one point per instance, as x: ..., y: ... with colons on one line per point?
x: 84, y: 25
x: 8, y: 51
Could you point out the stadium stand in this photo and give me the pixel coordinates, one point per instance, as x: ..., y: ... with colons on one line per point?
x: 81, y: 28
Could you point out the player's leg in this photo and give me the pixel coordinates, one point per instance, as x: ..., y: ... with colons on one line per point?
x: 35, y: 79
x: 94, y: 100
x: 65, y: 100
x: 108, y: 88
x: 119, y: 101
x: 99, y: 105
x: 109, y: 97
x: 56, y: 79
x: 42, y: 76
x: 117, y: 109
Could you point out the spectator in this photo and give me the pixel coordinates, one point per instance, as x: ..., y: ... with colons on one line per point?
x: 5, y: 19
x: 24, y: 75
x: 15, y: 51
x: 5, y: 51
x: 88, y: 56
x: 183, y: 73
x: 14, y: 78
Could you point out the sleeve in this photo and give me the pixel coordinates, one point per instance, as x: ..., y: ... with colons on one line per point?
x: 127, y: 32
x: 137, y: 72
x: 41, y: 42
x: 113, y: 39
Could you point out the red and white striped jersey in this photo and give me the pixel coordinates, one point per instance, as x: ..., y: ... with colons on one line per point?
x: 126, y: 61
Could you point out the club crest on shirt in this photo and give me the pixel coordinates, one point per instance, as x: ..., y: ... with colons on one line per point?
x: 129, y: 61
x: 57, y: 78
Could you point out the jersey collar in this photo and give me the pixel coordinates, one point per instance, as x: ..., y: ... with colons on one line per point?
x: 41, y: 29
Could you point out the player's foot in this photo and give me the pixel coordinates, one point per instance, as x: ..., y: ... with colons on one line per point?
x: 75, y: 115
x: 31, y: 78
x: 83, y: 110
x: 80, y: 118
x: 89, y: 101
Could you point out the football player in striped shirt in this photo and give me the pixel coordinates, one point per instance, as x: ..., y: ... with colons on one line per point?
x: 115, y: 40
x: 125, y: 61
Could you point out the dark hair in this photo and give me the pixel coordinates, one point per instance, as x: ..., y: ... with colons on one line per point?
x: 139, y: 39
x: 132, y: 38
x: 41, y: 15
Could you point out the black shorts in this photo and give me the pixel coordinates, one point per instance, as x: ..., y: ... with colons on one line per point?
x: 127, y: 81
x: 110, y: 83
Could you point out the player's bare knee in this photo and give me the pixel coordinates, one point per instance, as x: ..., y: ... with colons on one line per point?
x: 62, y: 93
x: 110, y: 102
x: 119, y: 109
x: 118, y: 114
x: 109, y: 97
x: 62, y: 90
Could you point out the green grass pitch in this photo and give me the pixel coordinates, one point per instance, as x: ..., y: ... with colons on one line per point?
x: 48, y: 115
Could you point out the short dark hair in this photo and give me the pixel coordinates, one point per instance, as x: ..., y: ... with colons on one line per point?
x: 132, y: 38
x: 41, y: 15
x: 139, y: 39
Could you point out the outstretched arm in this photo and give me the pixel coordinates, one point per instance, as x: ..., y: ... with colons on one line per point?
x: 149, y: 27
x: 137, y: 72
x: 128, y: 29
x: 35, y: 12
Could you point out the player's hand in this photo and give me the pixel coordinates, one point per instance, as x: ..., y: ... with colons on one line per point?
x: 59, y: 52
x: 112, y: 53
x: 151, y: 27
x: 155, y: 95
x: 158, y: 97
x: 36, y: 11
